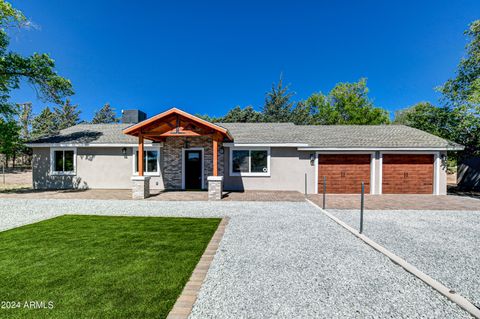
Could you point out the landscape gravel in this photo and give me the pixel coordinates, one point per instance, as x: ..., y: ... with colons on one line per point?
x: 443, y: 244
x: 276, y: 259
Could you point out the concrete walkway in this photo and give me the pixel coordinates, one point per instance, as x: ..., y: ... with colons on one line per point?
x: 276, y: 260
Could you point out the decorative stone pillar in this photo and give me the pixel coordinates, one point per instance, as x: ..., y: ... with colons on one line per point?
x: 140, y: 187
x: 215, y: 187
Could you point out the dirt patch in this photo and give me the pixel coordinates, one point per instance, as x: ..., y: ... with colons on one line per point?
x: 15, y: 179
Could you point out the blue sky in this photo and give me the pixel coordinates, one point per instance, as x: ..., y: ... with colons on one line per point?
x: 209, y: 56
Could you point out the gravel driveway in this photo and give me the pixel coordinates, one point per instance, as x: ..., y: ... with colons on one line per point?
x: 282, y: 260
x: 443, y: 244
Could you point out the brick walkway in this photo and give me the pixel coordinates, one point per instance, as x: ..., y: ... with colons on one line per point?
x: 399, y: 202
x: 126, y: 194
x: 184, y: 304
x: 380, y: 202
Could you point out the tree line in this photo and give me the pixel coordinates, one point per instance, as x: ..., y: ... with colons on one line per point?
x: 346, y: 103
x: 457, y: 117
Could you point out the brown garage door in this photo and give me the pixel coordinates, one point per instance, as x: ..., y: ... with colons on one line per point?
x: 407, y: 174
x: 344, y: 173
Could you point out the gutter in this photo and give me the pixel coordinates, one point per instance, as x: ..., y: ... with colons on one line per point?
x: 264, y: 145
x: 372, y: 149
x: 34, y: 145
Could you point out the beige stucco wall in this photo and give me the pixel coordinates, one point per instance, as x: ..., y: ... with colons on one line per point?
x: 377, y: 182
x: 41, y: 172
x: 108, y: 168
x: 104, y: 167
x: 443, y: 175
x: 287, y: 172
x: 101, y: 168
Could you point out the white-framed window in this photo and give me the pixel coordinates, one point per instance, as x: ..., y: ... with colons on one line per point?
x: 249, y: 161
x: 151, y: 161
x: 63, y: 161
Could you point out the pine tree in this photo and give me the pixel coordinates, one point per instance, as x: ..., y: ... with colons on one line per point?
x: 105, y: 115
x: 278, y: 106
x: 44, y: 124
x: 67, y: 115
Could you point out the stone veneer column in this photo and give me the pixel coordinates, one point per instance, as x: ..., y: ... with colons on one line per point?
x: 215, y: 187
x: 140, y: 187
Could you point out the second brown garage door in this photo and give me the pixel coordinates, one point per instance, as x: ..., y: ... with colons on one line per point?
x: 344, y: 173
x: 407, y: 174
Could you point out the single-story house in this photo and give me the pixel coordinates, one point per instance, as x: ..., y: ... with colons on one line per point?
x: 184, y: 152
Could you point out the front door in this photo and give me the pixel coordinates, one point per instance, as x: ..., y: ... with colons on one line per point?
x: 193, y: 169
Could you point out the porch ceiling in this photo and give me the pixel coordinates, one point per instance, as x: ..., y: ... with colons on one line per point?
x: 177, y: 123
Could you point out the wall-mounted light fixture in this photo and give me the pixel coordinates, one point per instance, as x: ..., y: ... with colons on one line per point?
x: 186, y: 144
x: 312, y: 159
x: 222, y: 150
x: 124, y: 151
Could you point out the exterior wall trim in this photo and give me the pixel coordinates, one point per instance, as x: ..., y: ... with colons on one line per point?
x: 52, y: 171
x: 230, y: 160
x: 265, y: 145
x: 203, y: 164
x: 380, y: 174
x: 373, y: 181
x: 316, y: 173
x: 372, y: 149
x: 60, y: 145
x: 436, y: 173
x: 146, y: 148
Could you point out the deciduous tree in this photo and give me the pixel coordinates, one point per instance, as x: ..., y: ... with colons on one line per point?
x: 427, y: 117
x: 462, y: 94
x: 38, y: 70
x: 347, y: 103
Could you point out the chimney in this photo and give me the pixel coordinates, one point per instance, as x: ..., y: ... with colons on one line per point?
x: 133, y: 116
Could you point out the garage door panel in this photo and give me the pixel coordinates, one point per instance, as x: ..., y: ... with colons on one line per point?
x: 344, y: 172
x: 407, y: 174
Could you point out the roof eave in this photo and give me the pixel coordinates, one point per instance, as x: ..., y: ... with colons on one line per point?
x: 371, y: 149
x: 135, y: 129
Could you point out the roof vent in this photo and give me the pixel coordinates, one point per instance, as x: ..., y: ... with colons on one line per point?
x: 133, y: 116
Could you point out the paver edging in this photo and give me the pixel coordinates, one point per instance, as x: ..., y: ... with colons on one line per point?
x: 461, y: 301
x: 184, y: 304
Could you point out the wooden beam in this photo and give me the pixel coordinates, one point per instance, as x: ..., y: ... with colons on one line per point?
x: 140, y: 155
x: 180, y: 134
x: 173, y: 114
x: 155, y: 138
x: 215, y: 156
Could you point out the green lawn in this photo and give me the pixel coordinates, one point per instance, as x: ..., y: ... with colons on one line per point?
x: 100, y: 267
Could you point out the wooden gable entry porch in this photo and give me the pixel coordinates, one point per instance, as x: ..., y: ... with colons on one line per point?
x: 177, y: 123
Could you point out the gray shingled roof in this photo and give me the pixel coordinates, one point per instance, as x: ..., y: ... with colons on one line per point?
x: 321, y: 136
x: 91, y: 134
x: 381, y: 136
x: 335, y: 136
